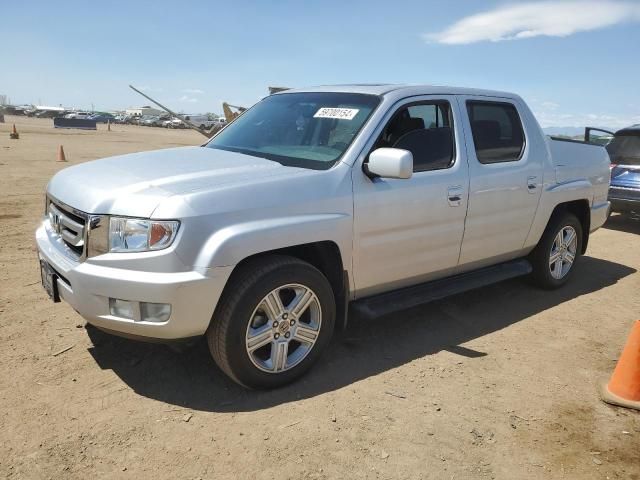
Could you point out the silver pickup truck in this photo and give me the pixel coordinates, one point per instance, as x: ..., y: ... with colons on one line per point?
x: 314, y: 205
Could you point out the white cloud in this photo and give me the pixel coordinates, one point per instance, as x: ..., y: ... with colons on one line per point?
x: 533, y: 19
x: 187, y: 99
x: 193, y: 91
x: 552, y: 119
x: 551, y: 114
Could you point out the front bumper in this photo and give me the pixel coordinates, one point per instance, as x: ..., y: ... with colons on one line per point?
x: 87, y: 287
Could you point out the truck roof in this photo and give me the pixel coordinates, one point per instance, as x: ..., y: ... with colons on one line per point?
x: 630, y: 130
x: 406, y: 89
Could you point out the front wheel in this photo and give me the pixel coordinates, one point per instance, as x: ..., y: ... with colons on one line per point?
x: 273, y: 321
x: 554, y: 257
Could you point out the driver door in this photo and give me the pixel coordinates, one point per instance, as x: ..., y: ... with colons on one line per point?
x: 407, y: 231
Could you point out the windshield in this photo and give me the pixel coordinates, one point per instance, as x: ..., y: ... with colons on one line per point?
x: 625, y: 150
x: 310, y: 130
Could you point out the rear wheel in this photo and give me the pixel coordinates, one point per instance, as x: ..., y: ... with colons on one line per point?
x: 554, y: 257
x: 274, y: 320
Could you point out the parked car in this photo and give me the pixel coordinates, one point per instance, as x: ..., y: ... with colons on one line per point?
x: 122, y: 118
x: 16, y: 110
x: 313, y: 203
x: 174, y: 123
x: 102, y: 117
x: 201, y: 121
x: 624, y: 152
x: 150, y: 121
x: 48, y: 114
x: 84, y: 115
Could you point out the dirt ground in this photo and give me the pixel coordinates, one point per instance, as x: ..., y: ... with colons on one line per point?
x: 496, y: 383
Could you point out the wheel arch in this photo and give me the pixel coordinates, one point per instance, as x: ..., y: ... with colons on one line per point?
x: 582, y: 210
x: 327, y: 258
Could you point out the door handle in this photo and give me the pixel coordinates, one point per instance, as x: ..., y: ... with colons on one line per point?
x: 454, y: 196
x: 532, y: 184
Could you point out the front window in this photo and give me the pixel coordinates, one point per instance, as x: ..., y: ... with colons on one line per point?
x: 426, y: 130
x: 310, y: 130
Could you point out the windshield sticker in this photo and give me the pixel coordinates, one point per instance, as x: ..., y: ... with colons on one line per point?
x: 339, y: 113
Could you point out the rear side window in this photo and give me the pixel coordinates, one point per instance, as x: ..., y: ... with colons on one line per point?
x: 625, y: 149
x: 497, y: 131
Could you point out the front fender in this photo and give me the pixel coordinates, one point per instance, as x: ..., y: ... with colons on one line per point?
x: 230, y: 245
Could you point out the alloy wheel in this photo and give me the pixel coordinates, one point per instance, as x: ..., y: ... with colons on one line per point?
x: 563, y: 252
x: 283, y: 328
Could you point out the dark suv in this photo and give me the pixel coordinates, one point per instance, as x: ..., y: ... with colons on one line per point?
x: 624, y: 152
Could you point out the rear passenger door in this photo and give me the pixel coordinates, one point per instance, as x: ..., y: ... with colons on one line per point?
x: 410, y: 230
x: 505, y: 181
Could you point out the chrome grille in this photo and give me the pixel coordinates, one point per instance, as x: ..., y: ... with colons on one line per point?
x: 69, y: 224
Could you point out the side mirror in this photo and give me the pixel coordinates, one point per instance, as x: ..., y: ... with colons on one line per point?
x: 390, y: 163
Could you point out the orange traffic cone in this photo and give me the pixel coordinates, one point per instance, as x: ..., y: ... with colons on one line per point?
x: 624, y: 387
x: 61, y: 156
x: 14, y: 133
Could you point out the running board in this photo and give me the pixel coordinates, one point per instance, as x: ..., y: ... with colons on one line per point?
x: 402, y: 299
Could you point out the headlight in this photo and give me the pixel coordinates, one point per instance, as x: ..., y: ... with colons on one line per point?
x: 139, y: 235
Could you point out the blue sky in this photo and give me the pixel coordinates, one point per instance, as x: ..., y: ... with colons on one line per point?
x: 574, y: 61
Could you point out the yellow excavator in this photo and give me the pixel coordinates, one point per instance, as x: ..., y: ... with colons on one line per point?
x: 231, y: 115
x: 231, y: 112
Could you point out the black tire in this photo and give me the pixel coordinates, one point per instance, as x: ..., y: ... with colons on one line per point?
x: 226, y: 335
x: 540, y: 257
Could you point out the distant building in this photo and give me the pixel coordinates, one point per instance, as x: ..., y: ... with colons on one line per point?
x: 145, y: 110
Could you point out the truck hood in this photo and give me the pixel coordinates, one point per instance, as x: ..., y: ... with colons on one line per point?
x: 135, y: 184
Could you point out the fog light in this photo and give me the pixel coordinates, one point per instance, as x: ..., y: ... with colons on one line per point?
x: 154, y: 312
x: 123, y: 308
